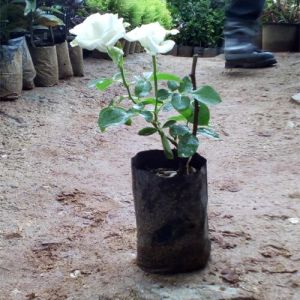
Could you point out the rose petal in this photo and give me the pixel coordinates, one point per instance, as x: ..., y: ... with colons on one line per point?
x: 166, y: 46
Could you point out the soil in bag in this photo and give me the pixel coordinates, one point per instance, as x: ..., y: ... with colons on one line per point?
x: 171, y: 214
x: 28, y: 68
x: 11, y: 76
x: 46, y: 65
x: 64, y: 63
x: 76, y: 57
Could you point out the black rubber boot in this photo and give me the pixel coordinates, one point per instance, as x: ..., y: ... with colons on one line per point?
x: 240, y: 51
x: 254, y: 59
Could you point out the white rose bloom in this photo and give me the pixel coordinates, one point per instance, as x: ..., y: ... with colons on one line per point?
x: 98, y: 32
x: 152, y: 38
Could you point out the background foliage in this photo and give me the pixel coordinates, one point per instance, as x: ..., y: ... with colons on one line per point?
x: 201, y: 22
x: 281, y: 11
x: 135, y: 12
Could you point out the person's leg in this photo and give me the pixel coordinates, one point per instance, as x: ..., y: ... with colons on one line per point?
x: 239, y: 32
x: 245, y: 10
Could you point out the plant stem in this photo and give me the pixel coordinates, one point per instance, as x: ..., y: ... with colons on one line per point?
x: 154, y: 62
x: 126, y: 84
x: 156, y: 110
x: 173, y: 142
x: 196, y: 105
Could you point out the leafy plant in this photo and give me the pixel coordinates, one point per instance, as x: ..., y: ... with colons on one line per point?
x: 135, y: 12
x: 12, y: 19
x: 281, y: 11
x: 200, y: 21
x: 150, y: 99
x: 22, y: 15
x: 152, y: 93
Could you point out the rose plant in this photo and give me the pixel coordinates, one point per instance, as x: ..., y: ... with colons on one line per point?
x: 169, y: 186
x: 147, y: 98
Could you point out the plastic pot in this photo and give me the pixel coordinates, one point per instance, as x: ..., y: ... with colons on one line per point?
x: 76, y: 57
x: 126, y: 48
x: 199, y: 51
x: 173, y: 51
x: 11, y: 75
x: 29, y: 72
x: 171, y: 215
x: 279, y: 37
x: 210, y: 52
x: 46, y: 65
x: 100, y: 55
x: 185, y: 51
x: 138, y: 47
x: 132, y: 47
x: 64, y: 63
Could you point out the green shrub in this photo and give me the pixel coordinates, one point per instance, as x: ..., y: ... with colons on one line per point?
x: 135, y: 12
x: 200, y: 21
x: 97, y: 5
x: 280, y: 11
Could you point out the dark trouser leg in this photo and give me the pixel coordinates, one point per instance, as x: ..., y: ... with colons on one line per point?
x: 245, y: 10
x: 239, y: 32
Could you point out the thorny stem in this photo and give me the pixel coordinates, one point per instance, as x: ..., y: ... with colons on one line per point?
x: 155, y: 123
x: 126, y: 84
x: 155, y: 87
x: 196, y: 105
x: 173, y: 142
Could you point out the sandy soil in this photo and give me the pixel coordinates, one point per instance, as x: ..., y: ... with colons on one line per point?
x: 67, y: 226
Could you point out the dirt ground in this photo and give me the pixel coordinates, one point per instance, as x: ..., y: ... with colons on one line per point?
x: 67, y: 225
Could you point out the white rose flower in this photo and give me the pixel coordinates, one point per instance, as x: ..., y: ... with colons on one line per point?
x: 98, y: 32
x: 152, y: 38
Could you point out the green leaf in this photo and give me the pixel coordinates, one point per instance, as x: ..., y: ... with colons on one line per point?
x: 207, y: 95
x: 169, y: 123
x: 177, y: 118
x: 148, y: 101
x: 132, y: 112
x: 39, y: 27
x: 163, y: 94
x: 117, y: 55
x: 173, y: 85
x: 179, y: 130
x: 142, y: 88
x: 183, y: 105
x: 147, y: 75
x: 204, y: 115
x: 138, y: 106
x: 30, y: 6
x: 208, y: 132
x: 104, y: 84
x: 101, y: 84
x: 128, y: 122
x: 112, y: 116
x: 188, y: 145
x: 45, y: 19
x: 117, y: 77
x: 147, y: 115
x: 186, y: 85
x: 188, y: 113
x: 167, y: 106
x: 166, y: 76
x: 166, y: 146
x: 179, y: 102
x: 147, y: 131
